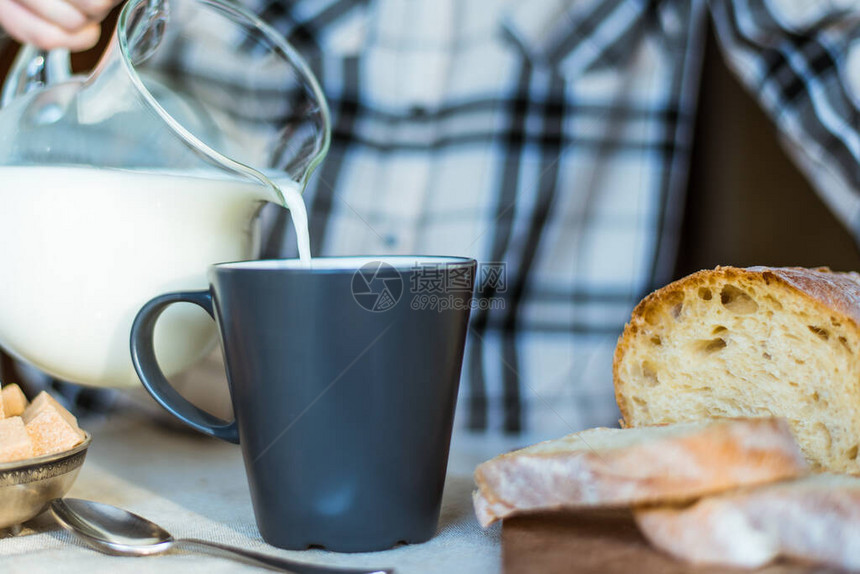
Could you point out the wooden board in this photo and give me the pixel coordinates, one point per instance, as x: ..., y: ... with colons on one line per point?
x: 599, y: 542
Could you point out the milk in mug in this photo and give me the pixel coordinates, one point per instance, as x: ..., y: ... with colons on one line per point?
x: 83, y: 249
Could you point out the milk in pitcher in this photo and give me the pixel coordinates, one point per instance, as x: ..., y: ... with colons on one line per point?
x: 82, y: 249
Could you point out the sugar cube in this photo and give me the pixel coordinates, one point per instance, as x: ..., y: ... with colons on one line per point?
x: 51, y: 427
x: 15, y: 443
x: 13, y: 399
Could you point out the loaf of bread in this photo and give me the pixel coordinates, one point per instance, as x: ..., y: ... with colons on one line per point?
x: 750, y: 342
x: 625, y: 467
x: 816, y: 518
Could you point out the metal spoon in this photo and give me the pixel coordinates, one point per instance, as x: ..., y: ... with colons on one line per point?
x: 116, y: 531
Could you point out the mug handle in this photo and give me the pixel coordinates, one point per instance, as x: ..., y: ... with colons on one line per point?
x: 150, y: 374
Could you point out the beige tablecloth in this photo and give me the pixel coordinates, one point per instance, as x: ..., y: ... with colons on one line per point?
x: 195, y: 486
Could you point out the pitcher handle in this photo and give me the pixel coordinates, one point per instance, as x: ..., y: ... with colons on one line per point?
x: 146, y: 365
x: 35, y: 68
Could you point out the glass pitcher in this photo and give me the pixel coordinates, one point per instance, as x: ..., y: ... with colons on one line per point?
x: 127, y: 183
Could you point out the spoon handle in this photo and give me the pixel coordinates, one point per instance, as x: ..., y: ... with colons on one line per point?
x: 268, y: 561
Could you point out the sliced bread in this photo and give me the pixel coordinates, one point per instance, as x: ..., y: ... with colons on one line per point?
x: 750, y: 342
x: 815, y: 518
x: 625, y: 467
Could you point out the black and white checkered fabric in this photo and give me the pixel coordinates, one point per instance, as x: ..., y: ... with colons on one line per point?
x: 553, y: 136
x: 802, y: 60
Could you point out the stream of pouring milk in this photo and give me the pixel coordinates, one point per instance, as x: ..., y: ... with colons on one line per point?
x: 294, y: 201
x: 82, y: 249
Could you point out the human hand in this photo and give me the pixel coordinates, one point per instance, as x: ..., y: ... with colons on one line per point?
x: 49, y: 24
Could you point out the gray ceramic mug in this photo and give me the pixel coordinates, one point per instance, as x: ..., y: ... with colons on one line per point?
x: 343, y: 380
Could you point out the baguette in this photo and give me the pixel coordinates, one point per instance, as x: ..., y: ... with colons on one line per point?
x: 624, y: 467
x: 750, y: 342
x: 816, y: 518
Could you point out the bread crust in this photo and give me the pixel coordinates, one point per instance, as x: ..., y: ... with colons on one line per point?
x: 677, y: 463
x: 837, y: 293
x: 816, y: 518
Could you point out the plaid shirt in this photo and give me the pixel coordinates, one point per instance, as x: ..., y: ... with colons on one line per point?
x: 552, y: 136
x: 550, y: 140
